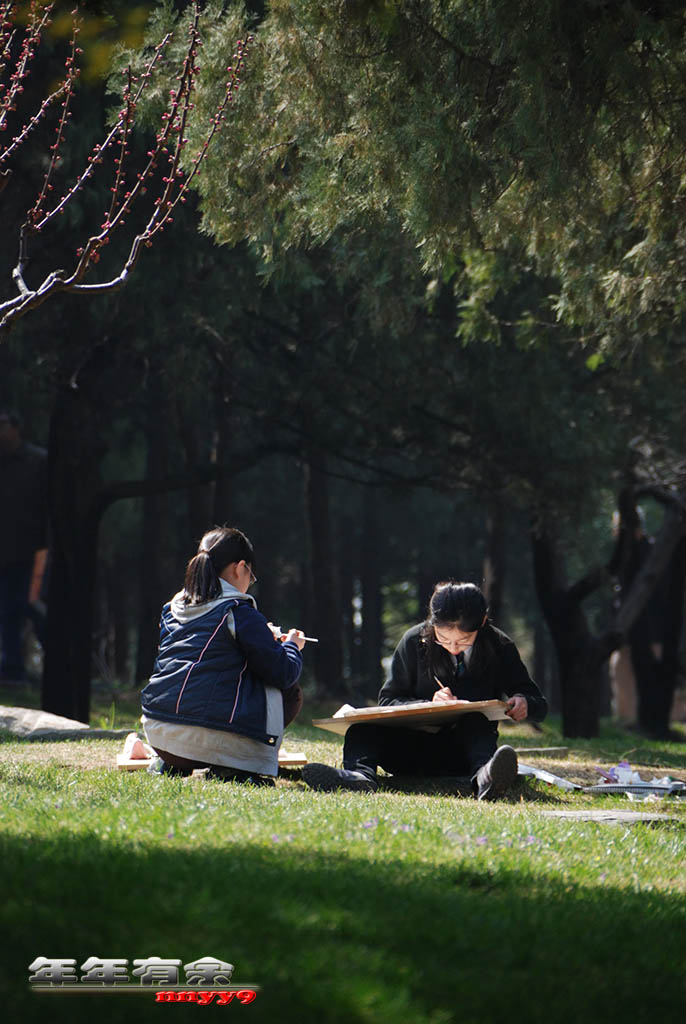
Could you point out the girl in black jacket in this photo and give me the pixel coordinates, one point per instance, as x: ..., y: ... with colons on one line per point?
x: 456, y: 654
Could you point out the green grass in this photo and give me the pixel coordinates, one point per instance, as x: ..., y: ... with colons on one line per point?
x: 408, y: 905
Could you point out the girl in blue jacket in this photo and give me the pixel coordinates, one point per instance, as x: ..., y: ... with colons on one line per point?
x: 224, y: 685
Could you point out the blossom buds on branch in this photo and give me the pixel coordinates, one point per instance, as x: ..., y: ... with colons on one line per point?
x: 129, y: 186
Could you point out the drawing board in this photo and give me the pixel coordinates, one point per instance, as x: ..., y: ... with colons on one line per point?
x: 418, y: 714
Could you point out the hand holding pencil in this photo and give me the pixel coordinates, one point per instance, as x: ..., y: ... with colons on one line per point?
x: 444, y: 695
x: 295, y: 635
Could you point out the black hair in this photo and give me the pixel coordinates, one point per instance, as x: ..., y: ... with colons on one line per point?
x: 457, y: 604
x: 462, y: 605
x: 218, y: 548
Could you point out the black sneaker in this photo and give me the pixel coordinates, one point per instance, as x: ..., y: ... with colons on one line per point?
x: 496, y: 777
x: 327, y: 779
x: 160, y: 767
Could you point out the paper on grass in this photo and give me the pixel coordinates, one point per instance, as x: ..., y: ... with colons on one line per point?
x: 544, y: 776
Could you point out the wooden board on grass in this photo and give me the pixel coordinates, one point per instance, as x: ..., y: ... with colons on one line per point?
x: 130, y: 764
x: 292, y: 759
x: 416, y: 715
x: 287, y: 759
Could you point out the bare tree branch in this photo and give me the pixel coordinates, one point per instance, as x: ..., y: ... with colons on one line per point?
x: 169, y: 146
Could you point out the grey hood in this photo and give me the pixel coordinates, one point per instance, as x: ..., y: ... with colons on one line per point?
x: 187, y: 612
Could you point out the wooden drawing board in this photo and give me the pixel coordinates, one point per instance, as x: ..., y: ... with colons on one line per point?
x: 418, y: 713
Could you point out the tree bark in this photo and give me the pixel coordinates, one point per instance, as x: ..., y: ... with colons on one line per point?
x: 651, y: 577
x: 326, y: 617
x: 150, y: 585
x: 120, y: 606
x: 645, y: 580
x: 372, y: 598
x: 73, y: 483
x: 346, y: 578
x: 672, y: 629
x: 545, y: 667
x: 223, y: 445
x: 494, y: 562
x: 579, y: 655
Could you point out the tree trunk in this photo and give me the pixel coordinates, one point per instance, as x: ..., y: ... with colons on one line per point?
x: 224, y: 483
x: 651, y: 575
x: 672, y: 628
x: 73, y: 484
x: 200, y: 498
x: 120, y: 606
x: 346, y: 578
x: 268, y: 591
x: 326, y: 617
x: 426, y: 580
x: 545, y: 667
x: 155, y: 506
x: 579, y: 656
x: 494, y: 562
x: 372, y: 598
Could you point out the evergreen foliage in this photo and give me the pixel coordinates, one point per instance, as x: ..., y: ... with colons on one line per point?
x: 548, y: 133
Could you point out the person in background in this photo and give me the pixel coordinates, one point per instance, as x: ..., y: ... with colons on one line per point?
x: 23, y: 542
x: 456, y: 654
x: 224, y: 685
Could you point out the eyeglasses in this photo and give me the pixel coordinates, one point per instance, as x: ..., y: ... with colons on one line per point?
x: 458, y: 641
x: 253, y: 577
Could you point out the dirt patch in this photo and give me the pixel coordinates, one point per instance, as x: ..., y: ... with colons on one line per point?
x: 88, y: 754
x: 584, y: 773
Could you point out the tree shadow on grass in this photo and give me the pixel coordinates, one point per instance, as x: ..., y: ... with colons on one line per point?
x: 338, y: 938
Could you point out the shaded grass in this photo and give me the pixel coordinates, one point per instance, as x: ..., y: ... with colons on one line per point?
x: 341, y: 937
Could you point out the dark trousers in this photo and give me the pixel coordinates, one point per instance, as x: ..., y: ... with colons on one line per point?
x: 460, y: 749
x: 15, y: 580
x: 292, y: 705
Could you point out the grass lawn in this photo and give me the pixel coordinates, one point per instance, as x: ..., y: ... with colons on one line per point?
x: 414, y: 904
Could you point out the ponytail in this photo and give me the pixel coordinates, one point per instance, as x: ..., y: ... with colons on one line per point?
x: 202, y: 582
x: 217, y: 549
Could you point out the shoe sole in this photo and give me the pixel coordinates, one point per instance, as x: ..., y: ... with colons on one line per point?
x: 326, y: 779
x: 503, y: 771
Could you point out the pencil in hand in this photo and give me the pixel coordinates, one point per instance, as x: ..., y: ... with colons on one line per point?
x: 280, y: 635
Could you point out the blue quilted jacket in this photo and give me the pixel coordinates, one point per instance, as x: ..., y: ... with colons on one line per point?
x: 213, y: 664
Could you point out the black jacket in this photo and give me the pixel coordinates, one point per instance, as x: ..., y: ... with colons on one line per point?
x: 418, y: 662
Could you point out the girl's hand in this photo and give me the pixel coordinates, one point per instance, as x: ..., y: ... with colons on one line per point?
x: 517, y: 708
x: 295, y: 636
x: 443, y: 696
